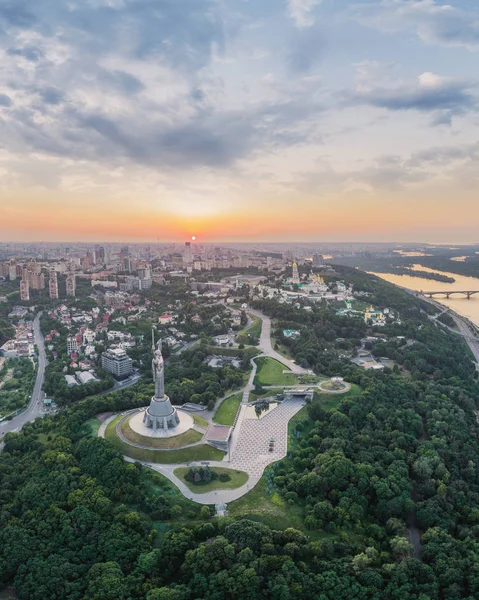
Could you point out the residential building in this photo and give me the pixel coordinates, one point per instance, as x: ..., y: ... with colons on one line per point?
x: 117, y: 362
x: 188, y: 254
x: 71, y: 285
x: 72, y: 345
x: 24, y: 289
x: 53, y: 285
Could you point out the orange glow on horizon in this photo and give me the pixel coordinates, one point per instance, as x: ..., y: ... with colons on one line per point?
x: 53, y: 218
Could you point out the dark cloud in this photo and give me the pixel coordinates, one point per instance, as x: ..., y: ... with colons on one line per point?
x: 432, y: 21
x: 51, y: 95
x: 123, y: 82
x: 16, y: 13
x: 5, y: 100
x: 306, y: 49
x: 28, y: 52
x: 444, y: 98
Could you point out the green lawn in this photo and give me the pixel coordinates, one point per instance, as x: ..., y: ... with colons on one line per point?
x: 178, y: 441
x: 92, y: 426
x: 200, y: 421
x: 270, y: 509
x: 329, y: 401
x: 201, y: 452
x: 279, y: 347
x: 251, y: 334
x: 226, y: 413
x: 238, y: 478
x: 270, y: 372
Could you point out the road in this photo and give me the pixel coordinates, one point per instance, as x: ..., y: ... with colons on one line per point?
x: 266, y: 347
x: 34, y: 408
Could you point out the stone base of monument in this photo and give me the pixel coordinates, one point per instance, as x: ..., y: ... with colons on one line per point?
x: 136, y: 423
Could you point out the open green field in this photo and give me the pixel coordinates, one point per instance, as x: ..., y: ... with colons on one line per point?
x: 201, y: 452
x: 329, y: 401
x: 270, y: 372
x: 178, y: 441
x: 238, y: 478
x: 281, y: 348
x: 272, y: 510
x: 226, y: 413
x: 200, y: 421
x: 251, y: 334
x: 92, y: 426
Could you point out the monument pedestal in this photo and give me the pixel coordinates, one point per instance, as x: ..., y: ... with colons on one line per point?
x: 161, y: 414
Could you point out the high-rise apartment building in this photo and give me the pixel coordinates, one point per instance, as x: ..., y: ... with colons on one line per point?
x: 24, y: 287
x: 71, y: 284
x: 53, y: 285
x: 188, y: 254
x: 12, y: 270
x: 36, y: 280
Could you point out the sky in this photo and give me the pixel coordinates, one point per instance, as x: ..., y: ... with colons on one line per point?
x: 239, y: 120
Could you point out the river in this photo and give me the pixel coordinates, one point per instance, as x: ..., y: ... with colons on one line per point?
x: 461, y: 305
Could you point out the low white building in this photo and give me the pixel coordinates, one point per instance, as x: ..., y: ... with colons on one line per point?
x: 86, y: 377
x: 71, y: 381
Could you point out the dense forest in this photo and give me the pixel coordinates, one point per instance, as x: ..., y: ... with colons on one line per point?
x: 400, y: 459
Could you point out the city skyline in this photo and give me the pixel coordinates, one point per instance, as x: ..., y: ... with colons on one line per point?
x: 302, y: 120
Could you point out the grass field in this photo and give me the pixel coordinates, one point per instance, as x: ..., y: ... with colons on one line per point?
x: 92, y: 426
x: 251, y: 334
x: 238, y: 478
x: 178, y: 441
x: 279, y: 347
x: 329, y: 401
x: 272, y: 510
x: 200, y: 421
x: 226, y: 413
x: 201, y: 452
x: 270, y: 372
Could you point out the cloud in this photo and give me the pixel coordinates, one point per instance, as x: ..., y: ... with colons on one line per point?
x: 432, y: 22
x: 395, y: 173
x: 442, y: 97
x: 15, y: 13
x: 306, y: 49
x: 5, y: 100
x: 301, y: 11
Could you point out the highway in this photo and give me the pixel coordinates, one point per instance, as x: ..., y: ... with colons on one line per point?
x: 34, y: 408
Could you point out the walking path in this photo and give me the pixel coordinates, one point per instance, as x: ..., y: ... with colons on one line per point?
x: 267, y: 348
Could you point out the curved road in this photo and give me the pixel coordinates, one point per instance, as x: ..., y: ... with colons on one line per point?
x: 33, y: 409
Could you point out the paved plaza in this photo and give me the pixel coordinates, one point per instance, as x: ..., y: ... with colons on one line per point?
x: 251, y: 453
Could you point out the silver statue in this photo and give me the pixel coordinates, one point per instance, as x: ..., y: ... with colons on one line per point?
x: 158, y: 367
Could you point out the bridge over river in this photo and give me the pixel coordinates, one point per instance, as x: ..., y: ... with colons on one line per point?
x: 448, y: 293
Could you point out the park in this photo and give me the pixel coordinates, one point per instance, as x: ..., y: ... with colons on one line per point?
x: 218, y: 456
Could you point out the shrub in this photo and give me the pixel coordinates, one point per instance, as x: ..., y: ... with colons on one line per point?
x: 224, y: 477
